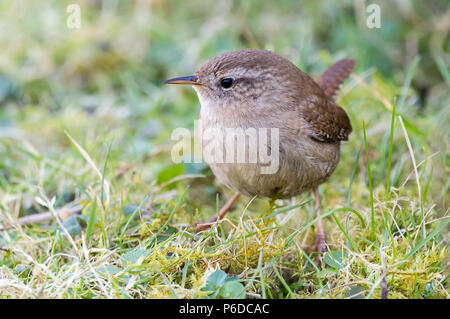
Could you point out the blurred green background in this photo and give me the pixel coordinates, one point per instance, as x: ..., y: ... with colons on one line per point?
x: 128, y: 48
x: 102, y: 84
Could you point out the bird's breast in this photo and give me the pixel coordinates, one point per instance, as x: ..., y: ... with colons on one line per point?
x: 257, y: 157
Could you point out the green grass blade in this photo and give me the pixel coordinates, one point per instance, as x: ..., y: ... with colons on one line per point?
x: 409, y: 76
x: 443, y: 69
x: 91, y: 219
x: 283, y: 282
x: 430, y: 236
x: 369, y: 173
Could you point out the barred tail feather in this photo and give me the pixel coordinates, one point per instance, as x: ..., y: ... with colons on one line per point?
x: 331, y: 80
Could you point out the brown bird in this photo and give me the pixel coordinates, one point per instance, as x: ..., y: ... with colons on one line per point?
x: 260, y: 89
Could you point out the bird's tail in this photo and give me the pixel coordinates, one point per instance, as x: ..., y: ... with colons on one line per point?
x: 331, y: 80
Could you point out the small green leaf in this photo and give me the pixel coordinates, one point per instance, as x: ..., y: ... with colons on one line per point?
x: 108, y: 270
x: 232, y: 278
x: 215, y: 281
x: 355, y: 292
x: 232, y: 290
x: 74, y: 224
x: 170, y: 172
x: 133, y: 256
x: 335, y: 259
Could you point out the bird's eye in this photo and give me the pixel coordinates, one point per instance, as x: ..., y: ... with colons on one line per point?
x: 226, y: 83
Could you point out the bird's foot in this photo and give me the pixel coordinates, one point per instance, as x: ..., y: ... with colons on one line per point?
x: 201, y: 226
x: 320, y: 245
x: 204, y: 226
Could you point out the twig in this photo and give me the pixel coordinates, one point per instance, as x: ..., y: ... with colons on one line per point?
x: 43, y: 217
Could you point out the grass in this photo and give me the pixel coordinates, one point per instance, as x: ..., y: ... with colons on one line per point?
x: 85, y: 135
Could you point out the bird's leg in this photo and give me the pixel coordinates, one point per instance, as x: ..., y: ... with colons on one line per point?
x: 320, y: 245
x: 271, y: 204
x: 274, y: 199
x: 203, y: 226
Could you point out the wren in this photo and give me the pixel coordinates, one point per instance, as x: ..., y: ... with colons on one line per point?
x: 261, y: 89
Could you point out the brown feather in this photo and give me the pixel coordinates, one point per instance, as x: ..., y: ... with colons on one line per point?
x: 326, y: 121
x: 331, y: 80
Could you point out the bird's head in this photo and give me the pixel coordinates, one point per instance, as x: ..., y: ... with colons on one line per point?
x: 242, y: 78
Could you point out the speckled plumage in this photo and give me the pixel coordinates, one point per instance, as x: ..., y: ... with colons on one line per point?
x: 269, y: 91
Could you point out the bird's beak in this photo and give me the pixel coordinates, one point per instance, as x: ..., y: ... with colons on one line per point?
x: 189, y: 80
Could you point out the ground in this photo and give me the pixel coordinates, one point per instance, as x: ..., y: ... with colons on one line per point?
x: 85, y: 143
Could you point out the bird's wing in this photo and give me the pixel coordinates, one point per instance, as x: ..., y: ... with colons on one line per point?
x: 325, y: 121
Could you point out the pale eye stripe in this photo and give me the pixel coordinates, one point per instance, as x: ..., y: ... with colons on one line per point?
x: 237, y: 72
